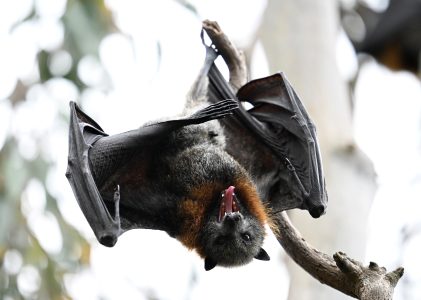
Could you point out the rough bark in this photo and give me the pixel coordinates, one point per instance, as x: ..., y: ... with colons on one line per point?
x: 340, y: 272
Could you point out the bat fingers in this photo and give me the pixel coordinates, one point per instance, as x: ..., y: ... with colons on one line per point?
x: 215, y: 111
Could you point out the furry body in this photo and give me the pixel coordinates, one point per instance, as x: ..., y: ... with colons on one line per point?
x: 177, y: 185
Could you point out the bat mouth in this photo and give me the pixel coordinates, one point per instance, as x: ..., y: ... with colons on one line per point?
x: 229, y: 203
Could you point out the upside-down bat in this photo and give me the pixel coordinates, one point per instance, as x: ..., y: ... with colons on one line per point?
x: 209, y: 178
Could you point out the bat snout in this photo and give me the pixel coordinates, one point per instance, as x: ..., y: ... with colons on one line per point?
x: 232, y: 218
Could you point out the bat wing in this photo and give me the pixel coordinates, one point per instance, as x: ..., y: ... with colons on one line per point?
x: 281, y: 122
x: 278, y: 132
x: 94, y: 156
x: 82, y: 134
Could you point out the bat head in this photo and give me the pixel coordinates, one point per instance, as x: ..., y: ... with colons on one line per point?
x: 232, y: 236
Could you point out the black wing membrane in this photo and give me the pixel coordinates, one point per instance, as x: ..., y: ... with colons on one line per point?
x: 94, y: 157
x: 83, y: 133
x: 279, y: 122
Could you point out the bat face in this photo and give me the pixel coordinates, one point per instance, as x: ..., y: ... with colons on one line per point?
x: 231, y: 236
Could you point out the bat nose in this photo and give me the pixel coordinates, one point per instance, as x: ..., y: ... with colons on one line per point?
x: 233, y: 218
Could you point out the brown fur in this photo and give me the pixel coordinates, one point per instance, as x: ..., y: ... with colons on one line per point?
x: 246, y: 191
x: 192, y: 211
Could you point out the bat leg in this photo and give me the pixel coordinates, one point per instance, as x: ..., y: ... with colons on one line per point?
x: 198, y: 92
x: 109, y: 240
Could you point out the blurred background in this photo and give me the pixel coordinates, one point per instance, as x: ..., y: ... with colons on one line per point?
x: 355, y: 64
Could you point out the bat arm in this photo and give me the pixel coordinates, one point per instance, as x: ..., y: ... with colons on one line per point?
x: 152, y: 133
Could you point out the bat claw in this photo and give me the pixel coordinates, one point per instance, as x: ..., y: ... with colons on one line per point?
x: 117, y: 193
x: 117, y: 204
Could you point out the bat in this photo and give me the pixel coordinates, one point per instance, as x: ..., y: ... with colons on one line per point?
x: 209, y: 178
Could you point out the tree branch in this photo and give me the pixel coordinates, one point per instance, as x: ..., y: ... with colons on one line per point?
x: 340, y: 272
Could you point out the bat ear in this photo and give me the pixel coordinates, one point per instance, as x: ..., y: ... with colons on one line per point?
x: 209, y: 264
x: 262, y: 255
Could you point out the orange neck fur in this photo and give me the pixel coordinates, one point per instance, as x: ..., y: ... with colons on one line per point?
x: 193, y: 209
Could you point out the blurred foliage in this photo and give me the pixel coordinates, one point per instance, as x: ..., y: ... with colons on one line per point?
x: 85, y: 24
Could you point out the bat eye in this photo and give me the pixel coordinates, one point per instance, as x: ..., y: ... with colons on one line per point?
x: 246, y: 237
